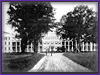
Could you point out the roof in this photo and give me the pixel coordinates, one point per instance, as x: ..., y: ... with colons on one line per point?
x: 3, y: 32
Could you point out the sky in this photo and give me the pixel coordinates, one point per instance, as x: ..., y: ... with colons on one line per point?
x: 64, y: 7
x: 61, y: 8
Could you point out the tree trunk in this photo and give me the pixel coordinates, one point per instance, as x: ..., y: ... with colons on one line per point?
x: 23, y: 45
x: 74, y: 45
x: 35, y: 46
x: 78, y: 48
x: 79, y: 45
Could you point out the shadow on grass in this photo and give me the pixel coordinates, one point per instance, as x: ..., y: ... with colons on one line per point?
x: 19, y: 62
x: 89, y: 59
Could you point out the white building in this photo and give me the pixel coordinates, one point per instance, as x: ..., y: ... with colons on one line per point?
x: 9, y: 43
x: 51, y: 41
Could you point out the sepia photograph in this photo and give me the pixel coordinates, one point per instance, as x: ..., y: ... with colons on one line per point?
x: 50, y: 37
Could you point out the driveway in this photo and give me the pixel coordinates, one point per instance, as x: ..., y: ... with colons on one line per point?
x: 57, y: 63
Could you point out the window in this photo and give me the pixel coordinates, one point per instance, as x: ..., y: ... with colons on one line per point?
x: 18, y: 49
x: 63, y: 43
x: 14, y: 43
x: 52, y: 43
x: 40, y: 42
x: 5, y: 48
x: 18, y: 43
x: 44, y: 43
x: 14, y: 49
x: 9, y: 48
x: 40, y: 47
x: 29, y: 46
x: 9, y: 43
x: 6, y: 38
x: 59, y: 43
x: 9, y: 38
x: 55, y: 42
x: 66, y: 43
x: 5, y: 43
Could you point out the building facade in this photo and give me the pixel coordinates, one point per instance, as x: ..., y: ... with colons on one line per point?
x: 9, y: 43
x: 50, y: 42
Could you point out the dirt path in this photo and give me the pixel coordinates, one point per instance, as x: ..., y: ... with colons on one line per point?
x: 57, y: 63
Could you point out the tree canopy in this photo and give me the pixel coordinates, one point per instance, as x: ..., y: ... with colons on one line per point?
x: 31, y: 20
x: 81, y: 24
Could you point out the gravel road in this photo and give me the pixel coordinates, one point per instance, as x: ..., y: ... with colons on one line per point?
x: 57, y: 63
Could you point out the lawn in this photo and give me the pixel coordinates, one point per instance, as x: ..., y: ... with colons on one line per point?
x: 16, y: 62
x: 89, y: 59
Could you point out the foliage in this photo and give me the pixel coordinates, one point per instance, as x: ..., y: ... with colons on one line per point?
x: 31, y: 20
x: 81, y: 24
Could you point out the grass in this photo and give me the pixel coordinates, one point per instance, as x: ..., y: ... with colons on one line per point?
x: 16, y: 62
x: 89, y: 59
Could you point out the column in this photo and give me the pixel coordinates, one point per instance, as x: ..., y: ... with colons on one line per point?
x: 38, y: 47
x: 94, y: 47
x: 27, y: 48
x: 50, y: 48
x: 91, y: 46
x: 68, y: 46
x: 72, y: 45
x: 31, y: 47
x: 65, y: 45
x: 11, y: 45
x: 20, y: 46
x: 76, y: 44
x: 83, y: 46
x: 86, y: 46
x: 7, y: 46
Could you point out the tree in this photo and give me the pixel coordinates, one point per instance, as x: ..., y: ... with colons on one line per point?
x: 31, y: 20
x: 79, y: 25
